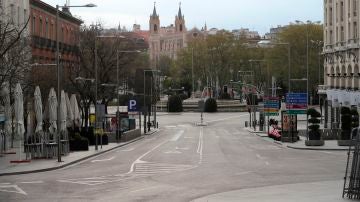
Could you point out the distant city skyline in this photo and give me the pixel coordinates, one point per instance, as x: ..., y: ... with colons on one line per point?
x: 257, y: 15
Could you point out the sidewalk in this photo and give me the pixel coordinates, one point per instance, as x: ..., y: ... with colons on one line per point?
x: 327, y: 191
x: 41, y: 165
x: 330, y: 145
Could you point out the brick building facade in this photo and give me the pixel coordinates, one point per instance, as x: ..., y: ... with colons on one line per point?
x: 43, y: 35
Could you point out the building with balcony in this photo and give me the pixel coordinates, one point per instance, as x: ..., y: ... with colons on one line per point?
x: 43, y: 35
x: 341, y: 55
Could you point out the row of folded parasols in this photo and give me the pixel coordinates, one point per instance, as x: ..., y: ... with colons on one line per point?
x: 69, y: 112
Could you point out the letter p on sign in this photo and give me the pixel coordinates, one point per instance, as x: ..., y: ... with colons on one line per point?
x: 132, y: 106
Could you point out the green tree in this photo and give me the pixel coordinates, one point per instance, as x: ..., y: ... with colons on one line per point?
x: 298, y: 35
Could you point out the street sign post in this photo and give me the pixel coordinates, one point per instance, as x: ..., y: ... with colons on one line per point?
x: 271, y: 108
x: 296, y: 103
x: 132, y: 106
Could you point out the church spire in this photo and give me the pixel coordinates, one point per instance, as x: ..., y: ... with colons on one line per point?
x: 154, y: 11
x: 179, y: 13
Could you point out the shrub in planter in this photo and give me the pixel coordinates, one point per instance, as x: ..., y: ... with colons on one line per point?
x: 354, y: 118
x: 174, y: 104
x: 345, y: 123
x: 314, y: 133
x: 225, y: 96
x: 210, y: 105
x: 183, y: 96
x: 79, y: 143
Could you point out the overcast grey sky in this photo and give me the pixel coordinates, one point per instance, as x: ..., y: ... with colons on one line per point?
x: 258, y: 15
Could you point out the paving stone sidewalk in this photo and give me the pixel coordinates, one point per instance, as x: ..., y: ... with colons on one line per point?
x: 41, y: 165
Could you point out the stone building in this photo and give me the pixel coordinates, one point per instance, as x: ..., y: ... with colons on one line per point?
x: 166, y: 40
x: 17, y: 11
x: 341, y: 55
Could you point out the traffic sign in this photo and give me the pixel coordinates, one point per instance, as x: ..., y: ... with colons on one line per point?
x: 271, y: 106
x: 132, y: 106
x: 296, y: 103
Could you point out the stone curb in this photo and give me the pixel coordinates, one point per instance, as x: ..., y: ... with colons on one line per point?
x: 260, y: 134
x: 72, y: 162
x: 318, y: 149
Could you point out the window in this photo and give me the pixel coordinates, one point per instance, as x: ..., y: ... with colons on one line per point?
x: 155, y: 28
x: 181, y: 27
x: 25, y: 16
x: 18, y: 16
x: 331, y: 16
x: 355, y: 31
x: 40, y: 27
x: 355, y: 7
x: 62, y: 34
x: 33, y: 25
x: 342, y: 11
x: 331, y: 37
x: 12, y: 13
x: 46, y: 29
x: 52, y: 32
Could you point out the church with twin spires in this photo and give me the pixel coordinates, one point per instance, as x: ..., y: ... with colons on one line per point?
x: 169, y: 40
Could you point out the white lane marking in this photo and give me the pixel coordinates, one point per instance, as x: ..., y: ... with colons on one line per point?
x: 138, y: 160
x: 170, y: 126
x: 5, y: 183
x: 243, y: 173
x: 172, y: 152
x: 258, y: 156
x: 200, y: 144
x: 144, y: 189
x: 183, y: 126
x: 267, y: 163
x: 109, y: 159
x: 177, y: 136
x: 12, y: 189
x: 181, y: 148
x: 33, y: 182
x: 226, y: 118
x: 126, y: 150
x: 86, y: 182
x: 326, y: 152
x: 188, y: 138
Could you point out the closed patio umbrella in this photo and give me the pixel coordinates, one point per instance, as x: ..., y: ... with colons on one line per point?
x: 8, y: 114
x: 19, y: 118
x: 19, y: 112
x: 63, y: 112
x: 75, y: 109
x: 52, y: 107
x: 70, y: 113
x: 38, y: 110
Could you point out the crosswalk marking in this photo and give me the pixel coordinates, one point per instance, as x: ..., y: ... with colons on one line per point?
x: 12, y: 189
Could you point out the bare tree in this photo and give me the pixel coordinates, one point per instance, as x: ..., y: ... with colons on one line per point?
x: 107, y: 50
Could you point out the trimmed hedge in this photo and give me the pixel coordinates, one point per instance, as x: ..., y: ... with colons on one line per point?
x: 174, y: 104
x: 225, y: 96
x: 183, y: 96
x: 354, y: 118
x: 210, y: 105
x: 79, y: 143
x: 314, y: 133
x: 345, y: 123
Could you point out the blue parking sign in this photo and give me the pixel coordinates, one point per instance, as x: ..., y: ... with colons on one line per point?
x: 132, y: 106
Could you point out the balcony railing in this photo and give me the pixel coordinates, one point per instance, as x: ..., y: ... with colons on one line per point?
x: 44, y: 43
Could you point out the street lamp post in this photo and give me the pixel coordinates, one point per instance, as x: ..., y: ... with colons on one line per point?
x: 192, y: 71
x: 118, y: 83
x: 57, y: 55
x: 148, y: 70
